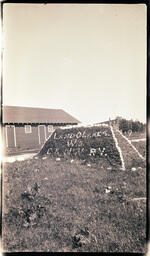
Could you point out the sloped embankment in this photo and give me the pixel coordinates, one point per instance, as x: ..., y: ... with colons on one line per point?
x: 92, y: 143
x: 131, y: 155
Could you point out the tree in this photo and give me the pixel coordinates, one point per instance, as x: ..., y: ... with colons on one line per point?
x: 123, y: 125
x: 130, y: 125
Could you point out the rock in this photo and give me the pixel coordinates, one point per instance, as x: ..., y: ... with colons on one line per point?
x: 26, y: 224
x: 133, y: 169
x: 44, y: 157
x: 107, y: 190
x: 57, y: 159
x: 140, y: 168
x: 71, y: 161
x: 88, y: 165
x: 109, y: 168
x: 122, y: 169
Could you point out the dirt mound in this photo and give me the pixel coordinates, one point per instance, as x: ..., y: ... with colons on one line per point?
x: 91, y: 143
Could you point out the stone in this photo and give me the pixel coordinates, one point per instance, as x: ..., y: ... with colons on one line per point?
x: 107, y: 190
x: 122, y: 169
x: 109, y: 168
x: 133, y: 169
x: 88, y: 165
x: 26, y: 224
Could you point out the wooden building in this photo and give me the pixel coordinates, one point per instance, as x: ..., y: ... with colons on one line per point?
x: 26, y: 128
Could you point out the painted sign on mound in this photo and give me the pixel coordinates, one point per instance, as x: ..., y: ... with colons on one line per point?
x: 91, y: 142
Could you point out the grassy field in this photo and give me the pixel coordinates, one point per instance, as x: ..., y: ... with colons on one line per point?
x: 140, y: 146
x: 136, y: 135
x: 51, y: 205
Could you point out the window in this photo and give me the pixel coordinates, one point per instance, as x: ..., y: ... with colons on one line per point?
x: 28, y: 129
x: 50, y: 128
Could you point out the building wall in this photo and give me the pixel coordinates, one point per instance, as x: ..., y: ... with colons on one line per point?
x: 27, y: 140
x: 23, y: 140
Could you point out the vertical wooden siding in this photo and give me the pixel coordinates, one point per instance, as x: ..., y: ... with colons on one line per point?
x: 27, y: 140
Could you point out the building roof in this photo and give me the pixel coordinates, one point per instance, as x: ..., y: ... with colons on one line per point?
x: 16, y: 114
x: 108, y: 121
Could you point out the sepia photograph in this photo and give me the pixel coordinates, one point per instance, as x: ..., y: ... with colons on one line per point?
x: 74, y: 95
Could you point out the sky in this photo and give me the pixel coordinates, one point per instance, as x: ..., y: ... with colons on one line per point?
x: 87, y: 59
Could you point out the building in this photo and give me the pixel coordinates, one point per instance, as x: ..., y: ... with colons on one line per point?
x: 113, y: 122
x: 26, y: 128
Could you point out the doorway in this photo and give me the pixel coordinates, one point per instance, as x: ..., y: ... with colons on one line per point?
x: 10, y: 136
x: 42, y: 134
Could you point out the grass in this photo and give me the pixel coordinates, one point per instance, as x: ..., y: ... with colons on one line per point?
x: 140, y: 146
x: 136, y: 135
x: 63, y: 206
x: 130, y: 156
